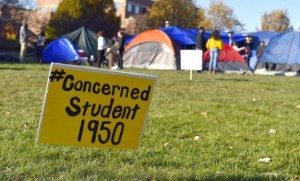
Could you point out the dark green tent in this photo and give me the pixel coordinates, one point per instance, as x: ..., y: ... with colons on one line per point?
x: 84, y: 39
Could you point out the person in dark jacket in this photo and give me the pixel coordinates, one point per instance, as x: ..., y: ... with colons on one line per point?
x: 260, y: 50
x: 248, y: 49
x: 122, y: 36
x: 200, y: 44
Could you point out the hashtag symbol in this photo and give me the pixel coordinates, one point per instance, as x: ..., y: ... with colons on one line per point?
x: 57, y: 75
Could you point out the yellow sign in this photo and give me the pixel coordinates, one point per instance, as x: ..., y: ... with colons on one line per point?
x: 94, y: 108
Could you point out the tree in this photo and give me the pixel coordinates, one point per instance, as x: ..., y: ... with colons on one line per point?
x: 93, y: 14
x: 182, y: 13
x: 8, y: 21
x: 222, y: 16
x: 276, y: 20
x: 203, y: 20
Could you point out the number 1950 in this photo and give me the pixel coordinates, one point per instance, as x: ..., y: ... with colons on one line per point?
x: 102, y: 132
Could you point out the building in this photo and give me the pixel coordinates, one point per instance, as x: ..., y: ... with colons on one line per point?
x: 131, y: 12
x: 47, y: 5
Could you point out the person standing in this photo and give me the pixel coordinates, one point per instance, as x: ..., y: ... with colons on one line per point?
x: 231, y: 42
x: 40, y: 43
x: 248, y: 49
x: 200, y: 42
x: 112, y: 52
x: 122, y: 36
x: 23, y: 39
x: 101, y: 47
x: 215, y: 45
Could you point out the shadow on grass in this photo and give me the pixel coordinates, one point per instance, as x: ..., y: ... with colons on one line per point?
x: 237, y: 177
x: 13, y: 68
x: 22, y: 66
x: 234, y: 80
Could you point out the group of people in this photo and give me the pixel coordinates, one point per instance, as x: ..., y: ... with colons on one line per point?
x: 24, y: 42
x: 110, y: 51
x: 215, y: 46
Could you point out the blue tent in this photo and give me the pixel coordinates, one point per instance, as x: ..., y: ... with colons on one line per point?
x: 182, y: 38
x: 262, y: 35
x: 237, y: 37
x: 60, y: 50
x: 283, y: 50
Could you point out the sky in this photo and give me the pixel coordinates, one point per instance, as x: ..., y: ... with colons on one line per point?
x: 249, y: 12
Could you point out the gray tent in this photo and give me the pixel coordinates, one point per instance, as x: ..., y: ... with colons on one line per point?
x: 151, y: 49
x: 84, y: 39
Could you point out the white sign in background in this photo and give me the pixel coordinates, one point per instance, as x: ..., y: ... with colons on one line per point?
x: 191, y: 59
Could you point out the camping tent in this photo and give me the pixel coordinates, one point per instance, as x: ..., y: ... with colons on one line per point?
x: 60, y: 50
x: 262, y: 35
x: 229, y: 60
x: 237, y: 37
x: 150, y: 49
x: 284, y: 51
x: 184, y: 39
x: 84, y: 39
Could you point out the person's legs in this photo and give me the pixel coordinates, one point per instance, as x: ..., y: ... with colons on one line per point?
x: 39, y: 50
x: 211, y: 55
x: 22, y: 51
x: 213, y: 59
x: 103, y: 59
x: 216, y: 56
x: 99, y: 58
x: 120, y: 61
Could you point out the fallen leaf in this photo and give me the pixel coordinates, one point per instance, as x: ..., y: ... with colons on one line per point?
x: 272, y: 131
x: 166, y: 144
x: 266, y: 159
x: 272, y: 174
x: 203, y: 113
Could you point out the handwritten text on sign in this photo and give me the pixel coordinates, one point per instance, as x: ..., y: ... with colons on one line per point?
x: 94, y: 108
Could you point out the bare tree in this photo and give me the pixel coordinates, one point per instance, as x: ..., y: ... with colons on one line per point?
x: 222, y: 16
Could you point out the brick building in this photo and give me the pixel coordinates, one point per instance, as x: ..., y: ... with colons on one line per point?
x: 132, y: 12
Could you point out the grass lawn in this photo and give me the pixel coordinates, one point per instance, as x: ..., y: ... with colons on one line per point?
x: 215, y: 127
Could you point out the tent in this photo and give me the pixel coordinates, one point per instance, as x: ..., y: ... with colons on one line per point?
x: 229, y: 60
x: 184, y: 39
x: 60, y: 50
x: 284, y: 51
x: 262, y: 35
x: 237, y: 37
x: 151, y: 49
x: 84, y: 39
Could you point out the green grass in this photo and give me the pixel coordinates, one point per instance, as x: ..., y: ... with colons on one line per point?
x: 231, y: 114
